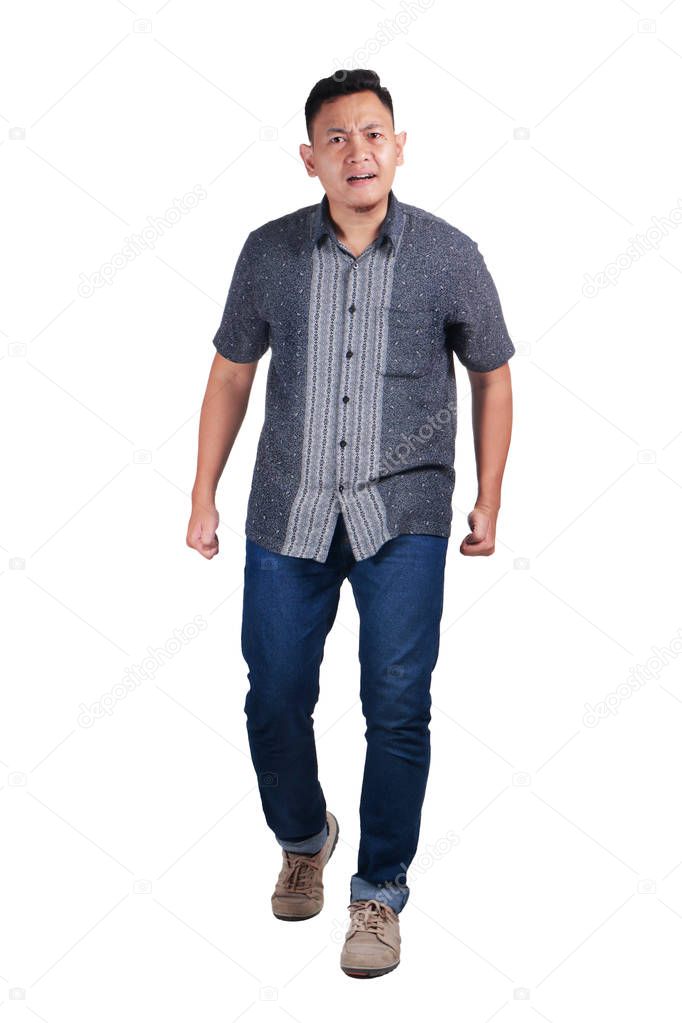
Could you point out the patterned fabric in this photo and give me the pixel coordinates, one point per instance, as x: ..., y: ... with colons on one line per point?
x: 361, y: 402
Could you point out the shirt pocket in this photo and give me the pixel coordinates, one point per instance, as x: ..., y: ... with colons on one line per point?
x: 411, y: 338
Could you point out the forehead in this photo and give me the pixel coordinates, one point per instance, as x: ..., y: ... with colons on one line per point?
x: 354, y: 111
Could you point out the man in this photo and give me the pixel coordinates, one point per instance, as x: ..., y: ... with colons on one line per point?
x: 362, y: 300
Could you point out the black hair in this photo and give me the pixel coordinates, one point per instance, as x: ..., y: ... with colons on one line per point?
x: 342, y: 83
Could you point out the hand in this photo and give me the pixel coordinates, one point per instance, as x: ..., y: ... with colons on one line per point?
x: 201, y: 532
x: 481, y: 539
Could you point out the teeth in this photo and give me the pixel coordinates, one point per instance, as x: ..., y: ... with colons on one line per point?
x: 360, y: 177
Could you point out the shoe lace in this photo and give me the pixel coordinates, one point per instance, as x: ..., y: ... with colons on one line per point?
x: 298, y: 873
x: 368, y: 915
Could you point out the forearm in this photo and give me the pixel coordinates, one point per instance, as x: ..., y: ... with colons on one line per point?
x: 222, y: 412
x: 492, y: 425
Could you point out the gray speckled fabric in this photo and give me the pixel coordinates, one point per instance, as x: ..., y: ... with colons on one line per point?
x: 361, y: 402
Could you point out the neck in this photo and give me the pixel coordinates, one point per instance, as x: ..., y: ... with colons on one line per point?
x: 357, y: 222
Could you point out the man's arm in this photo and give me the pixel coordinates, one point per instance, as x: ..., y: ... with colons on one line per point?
x: 222, y: 413
x: 491, y: 400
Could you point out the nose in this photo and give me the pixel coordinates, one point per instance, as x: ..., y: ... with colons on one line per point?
x: 356, y: 146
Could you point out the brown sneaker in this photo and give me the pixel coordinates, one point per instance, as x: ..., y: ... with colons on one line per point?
x: 299, y: 892
x: 372, y: 945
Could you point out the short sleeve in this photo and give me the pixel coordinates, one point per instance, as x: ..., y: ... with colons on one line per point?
x: 477, y: 332
x: 243, y: 334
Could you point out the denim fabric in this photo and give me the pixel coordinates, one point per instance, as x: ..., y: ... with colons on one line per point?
x: 290, y: 605
x: 307, y: 845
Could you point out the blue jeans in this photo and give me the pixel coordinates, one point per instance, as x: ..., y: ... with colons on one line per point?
x: 290, y: 604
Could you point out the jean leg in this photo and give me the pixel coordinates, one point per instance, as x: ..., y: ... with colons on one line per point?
x: 289, y: 607
x: 399, y: 596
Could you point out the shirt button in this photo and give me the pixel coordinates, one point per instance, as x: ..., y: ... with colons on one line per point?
x: 345, y: 399
x: 342, y: 443
x: 340, y: 486
x: 355, y: 266
x: 348, y: 354
x: 351, y: 309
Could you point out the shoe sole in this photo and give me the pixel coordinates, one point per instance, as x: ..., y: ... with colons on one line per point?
x: 369, y: 972
x: 293, y: 919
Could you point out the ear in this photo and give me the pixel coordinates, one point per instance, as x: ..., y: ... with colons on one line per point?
x: 306, y: 154
x: 400, y: 140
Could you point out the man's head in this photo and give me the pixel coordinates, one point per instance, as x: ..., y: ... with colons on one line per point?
x: 349, y: 118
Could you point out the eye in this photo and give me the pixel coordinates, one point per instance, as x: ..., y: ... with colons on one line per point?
x: 335, y: 137
x: 376, y: 133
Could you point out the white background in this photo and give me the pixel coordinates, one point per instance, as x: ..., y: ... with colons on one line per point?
x: 137, y: 867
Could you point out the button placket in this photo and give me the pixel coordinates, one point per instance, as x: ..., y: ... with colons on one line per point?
x: 348, y: 333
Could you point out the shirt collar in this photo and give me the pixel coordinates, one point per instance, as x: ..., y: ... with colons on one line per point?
x: 391, y: 226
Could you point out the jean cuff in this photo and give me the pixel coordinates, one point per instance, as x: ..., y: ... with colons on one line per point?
x: 307, y: 845
x: 392, y: 894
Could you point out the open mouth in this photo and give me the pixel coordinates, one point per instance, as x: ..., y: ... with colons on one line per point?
x: 369, y: 176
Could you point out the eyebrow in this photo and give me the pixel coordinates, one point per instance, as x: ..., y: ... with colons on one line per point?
x: 374, y: 124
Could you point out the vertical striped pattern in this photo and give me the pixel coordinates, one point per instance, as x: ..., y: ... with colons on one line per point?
x: 422, y: 293
x: 340, y: 281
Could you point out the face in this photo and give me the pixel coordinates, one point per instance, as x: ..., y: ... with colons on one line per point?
x: 353, y: 136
